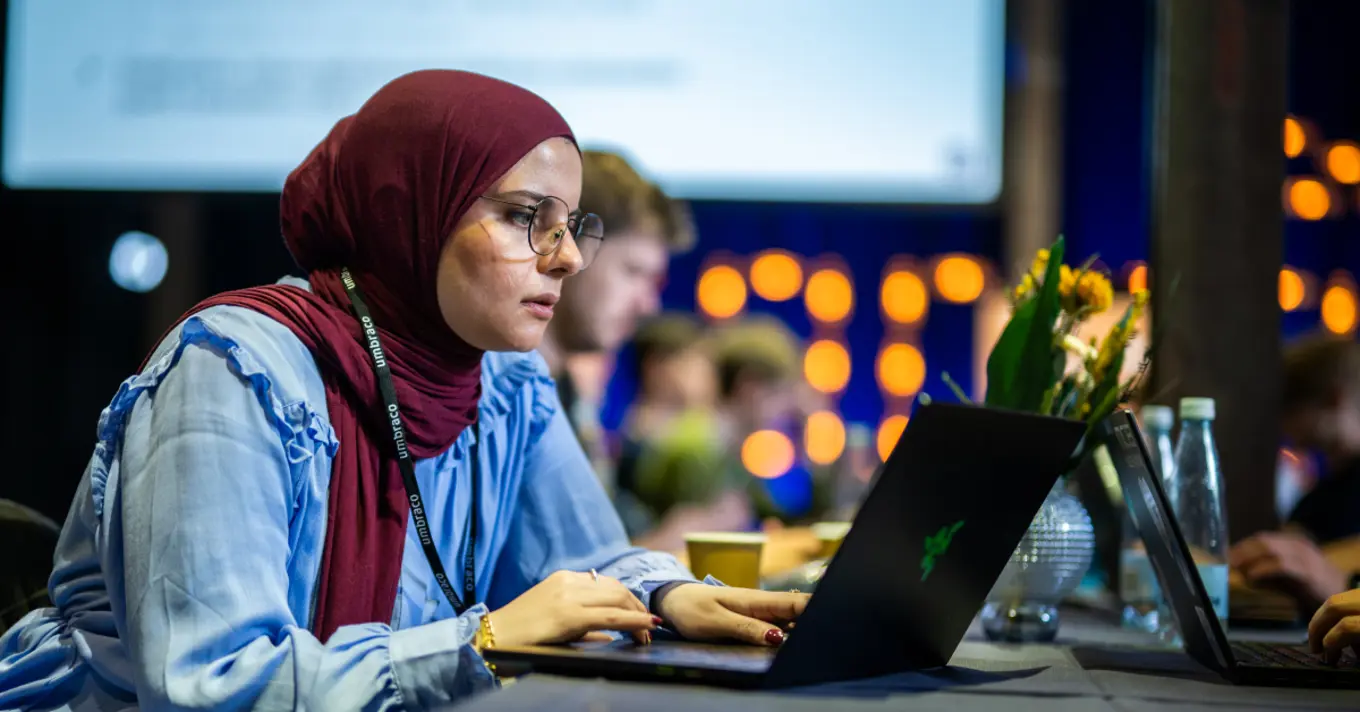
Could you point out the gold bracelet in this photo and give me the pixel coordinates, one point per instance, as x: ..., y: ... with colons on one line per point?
x: 484, y: 640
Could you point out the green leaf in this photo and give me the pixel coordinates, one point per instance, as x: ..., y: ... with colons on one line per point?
x: 1005, y: 356
x: 1034, y: 371
x: 1046, y: 406
x: 1108, y: 384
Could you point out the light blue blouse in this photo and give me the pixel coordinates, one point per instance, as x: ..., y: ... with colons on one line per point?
x: 186, y: 572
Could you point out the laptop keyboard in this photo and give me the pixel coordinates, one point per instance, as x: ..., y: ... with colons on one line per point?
x: 1276, y: 655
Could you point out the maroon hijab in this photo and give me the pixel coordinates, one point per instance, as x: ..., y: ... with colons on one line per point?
x: 380, y: 195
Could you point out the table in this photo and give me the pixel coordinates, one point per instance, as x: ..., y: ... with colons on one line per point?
x: 1094, y: 667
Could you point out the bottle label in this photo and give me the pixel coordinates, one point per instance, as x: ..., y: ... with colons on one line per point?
x: 1215, y: 578
x: 1137, y: 582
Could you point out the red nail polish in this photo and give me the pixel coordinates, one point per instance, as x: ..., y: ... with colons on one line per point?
x: 656, y: 620
x: 774, y: 637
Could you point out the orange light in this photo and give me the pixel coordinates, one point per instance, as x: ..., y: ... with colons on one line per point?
x: 1294, y: 138
x: 888, y: 434
x: 824, y: 437
x: 1338, y: 309
x: 901, y: 369
x: 1291, y: 289
x: 1308, y: 199
x: 1343, y: 162
x: 826, y: 365
x: 721, y: 292
x: 1138, y: 279
x: 904, y: 297
x: 829, y: 296
x: 767, y: 454
x: 959, y: 279
x: 776, y: 276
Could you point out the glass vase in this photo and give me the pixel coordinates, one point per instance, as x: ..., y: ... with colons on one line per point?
x: 1049, y: 564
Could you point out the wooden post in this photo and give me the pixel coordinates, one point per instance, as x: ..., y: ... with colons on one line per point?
x: 1033, y: 143
x: 1219, y: 105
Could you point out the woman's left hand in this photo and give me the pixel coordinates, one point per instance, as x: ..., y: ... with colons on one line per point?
x: 703, y: 612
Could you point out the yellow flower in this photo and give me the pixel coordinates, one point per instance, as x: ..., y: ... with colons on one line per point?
x: 1040, y: 264
x: 1118, y: 338
x: 1025, y: 286
x: 1067, y: 281
x: 1094, y: 292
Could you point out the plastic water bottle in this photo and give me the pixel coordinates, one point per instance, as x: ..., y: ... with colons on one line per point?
x: 1137, y: 582
x: 1197, y: 498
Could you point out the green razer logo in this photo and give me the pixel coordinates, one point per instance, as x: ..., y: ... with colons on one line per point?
x: 936, y: 546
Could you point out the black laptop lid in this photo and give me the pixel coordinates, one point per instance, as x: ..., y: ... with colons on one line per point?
x: 943, y: 516
x: 1170, y: 556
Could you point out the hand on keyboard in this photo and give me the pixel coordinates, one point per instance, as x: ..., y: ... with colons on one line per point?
x: 1336, y: 626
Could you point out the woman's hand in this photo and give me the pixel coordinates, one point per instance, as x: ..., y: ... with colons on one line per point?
x: 703, y: 612
x: 568, y: 606
x: 1335, y: 626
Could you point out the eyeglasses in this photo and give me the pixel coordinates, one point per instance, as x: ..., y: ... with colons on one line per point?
x: 549, y: 220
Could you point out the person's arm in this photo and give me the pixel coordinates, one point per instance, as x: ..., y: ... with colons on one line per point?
x: 199, y: 556
x: 565, y: 522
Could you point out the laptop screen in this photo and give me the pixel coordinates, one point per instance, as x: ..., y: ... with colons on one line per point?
x: 1170, y: 556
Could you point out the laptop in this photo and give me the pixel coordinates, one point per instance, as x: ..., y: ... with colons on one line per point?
x: 1246, y: 663
x: 940, y: 521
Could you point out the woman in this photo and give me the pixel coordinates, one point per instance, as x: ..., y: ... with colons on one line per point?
x: 272, y: 501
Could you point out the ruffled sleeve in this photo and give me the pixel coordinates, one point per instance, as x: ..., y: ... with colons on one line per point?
x: 301, y: 430
x: 514, y: 381
x: 200, y: 462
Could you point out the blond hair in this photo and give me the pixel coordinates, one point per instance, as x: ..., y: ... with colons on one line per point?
x: 759, y: 347
x: 625, y: 200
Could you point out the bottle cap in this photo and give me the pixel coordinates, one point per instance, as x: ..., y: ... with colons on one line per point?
x: 1159, y: 417
x: 1197, y: 408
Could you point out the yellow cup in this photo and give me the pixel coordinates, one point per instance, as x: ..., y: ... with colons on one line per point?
x: 830, y: 534
x: 730, y: 557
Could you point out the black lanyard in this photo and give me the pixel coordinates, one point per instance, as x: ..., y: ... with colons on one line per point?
x: 408, y: 470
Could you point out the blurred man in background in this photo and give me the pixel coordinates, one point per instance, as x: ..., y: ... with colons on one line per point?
x: 682, y: 469
x: 673, y: 476
x: 675, y: 373
x: 760, y: 387
x: 601, y: 307
x: 1317, y: 553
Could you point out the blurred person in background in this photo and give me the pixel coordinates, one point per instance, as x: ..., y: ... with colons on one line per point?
x: 675, y: 372
x: 266, y: 516
x: 601, y: 308
x: 759, y: 361
x: 671, y: 467
x: 1317, y: 552
x: 687, y: 471
x: 760, y: 387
